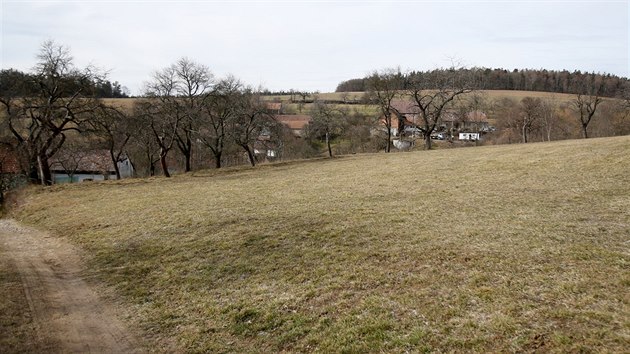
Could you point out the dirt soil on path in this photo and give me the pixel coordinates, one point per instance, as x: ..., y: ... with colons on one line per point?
x: 67, y: 315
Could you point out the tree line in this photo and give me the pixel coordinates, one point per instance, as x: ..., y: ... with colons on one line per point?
x: 59, y: 107
x: 185, y: 116
x: 575, y: 82
x: 188, y: 119
x: 538, y: 119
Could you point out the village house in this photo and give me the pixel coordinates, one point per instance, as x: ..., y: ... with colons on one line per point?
x: 94, y: 165
x: 265, y: 148
x: 407, y: 122
x: 295, y: 122
x: 404, y: 118
x: 469, y: 136
x: 474, y: 122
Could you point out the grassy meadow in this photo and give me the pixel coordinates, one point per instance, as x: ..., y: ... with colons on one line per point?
x: 507, y: 248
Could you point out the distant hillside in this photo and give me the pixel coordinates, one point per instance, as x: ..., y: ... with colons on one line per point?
x: 522, y: 80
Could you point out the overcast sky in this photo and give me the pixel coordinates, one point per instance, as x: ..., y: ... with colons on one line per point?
x: 313, y: 45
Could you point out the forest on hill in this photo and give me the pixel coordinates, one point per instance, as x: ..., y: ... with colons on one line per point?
x: 564, y: 81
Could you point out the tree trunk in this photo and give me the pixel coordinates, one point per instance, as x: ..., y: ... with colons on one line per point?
x: 187, y: 159
x: 427, y: 141
x: 40, y: 171
x: 217, y: 160
x: 33, y: 173
x: 585, y: 131
x: 2, y: 183
x: 187, y: 152
x: 328, y: 144
x: 250, y: 155
x: 164, y: 165
x: 115, y: 162
x: 389, y: 138
x: 44, y: 171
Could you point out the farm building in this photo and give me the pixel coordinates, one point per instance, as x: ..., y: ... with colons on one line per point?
x: 79, y: 166
x: 475, y: 121
x: 295, y: 122
x: 404, y: 118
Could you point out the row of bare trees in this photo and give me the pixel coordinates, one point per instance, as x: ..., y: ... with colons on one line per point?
x: 543, y: 119
x: 184, y: 107
x: 184, y: 104
x: 187, y: 112
x: 41, y: 109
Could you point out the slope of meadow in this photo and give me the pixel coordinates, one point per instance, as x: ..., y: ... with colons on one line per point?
x: 497, y: 248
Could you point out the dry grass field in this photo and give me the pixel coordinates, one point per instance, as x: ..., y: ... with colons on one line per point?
x: 490, y: 94
x: 513, y: 248
x: 126, y: 103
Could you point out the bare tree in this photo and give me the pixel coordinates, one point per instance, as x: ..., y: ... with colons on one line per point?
x: 143, y: 146
x: 58, y: 98
x: 432, y: 96
x: 303, y: 95
x: 357, y: 133
x: 250, y: 120
x: 218, y: 110
x: 509, y: 112
x: 193, y: 86
x: 586, y: 106
x: 382, y: 88
x: 531, y: 112
x: 163, y: 114
x: 549, y: 119
x: 115, y: 129
x: 327, y: 121
x: 344, y: 96
x: 178, y: 93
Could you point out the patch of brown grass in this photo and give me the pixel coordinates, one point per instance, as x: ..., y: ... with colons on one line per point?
x: 496, y: 248
x: 17, y: 330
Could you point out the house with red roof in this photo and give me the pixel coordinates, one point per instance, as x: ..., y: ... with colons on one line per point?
x: 295, y: 122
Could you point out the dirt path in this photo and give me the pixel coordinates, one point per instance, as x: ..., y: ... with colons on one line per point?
x: 68, y: 314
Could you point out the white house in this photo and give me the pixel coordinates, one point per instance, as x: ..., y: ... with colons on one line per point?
x: 469, y: 136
